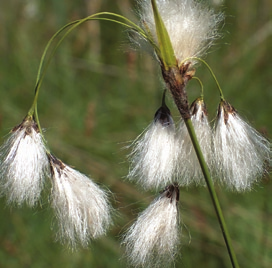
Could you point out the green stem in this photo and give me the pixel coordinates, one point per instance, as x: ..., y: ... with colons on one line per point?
x: 212, y: 192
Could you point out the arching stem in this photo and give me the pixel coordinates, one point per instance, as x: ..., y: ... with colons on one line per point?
x: 43, y: 66
x: 210, y: 70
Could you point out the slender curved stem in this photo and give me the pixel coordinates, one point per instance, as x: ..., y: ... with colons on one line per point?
x: 210, y: 70
x: 201, y: 85
x: 212, y: 192
x: 43, y: 66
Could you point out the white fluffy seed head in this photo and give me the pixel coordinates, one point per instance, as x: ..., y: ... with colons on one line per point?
x: 153, y: 156
x: 240, y: 152
x: 188, y: 167
x: 191, y: 25
x: 153, y: 240
x: 24, y: 164
x: 81, y: 207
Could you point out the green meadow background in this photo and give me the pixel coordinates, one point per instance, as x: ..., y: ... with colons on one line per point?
x: 97, y: 96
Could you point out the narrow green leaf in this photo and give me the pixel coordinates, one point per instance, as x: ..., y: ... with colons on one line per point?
x: 167, y: 55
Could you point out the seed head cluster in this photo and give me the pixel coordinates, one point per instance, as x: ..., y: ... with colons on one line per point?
x: 236, y: 154
x: 81, y: 207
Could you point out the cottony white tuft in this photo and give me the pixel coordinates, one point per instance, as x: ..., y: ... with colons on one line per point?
x: 188, y: 168
x: 191, y: 25
x: 24, y: 164
x: 152, y: 241
x: 153, y: 156
x: 240, y: 152
x: 81, y: 207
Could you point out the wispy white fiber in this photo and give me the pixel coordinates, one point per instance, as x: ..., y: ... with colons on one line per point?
x: 192, y: 26
x: 240, y: 152
x: 188, y: 167
x: 81, y: 207
x: 153, y: 240
x: 153, y: 156
x: 24, y: 165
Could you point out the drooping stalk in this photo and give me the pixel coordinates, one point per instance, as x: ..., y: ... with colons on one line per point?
x: 43, y: 66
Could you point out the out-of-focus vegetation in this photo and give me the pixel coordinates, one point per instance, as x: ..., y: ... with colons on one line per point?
x: 97, y: 96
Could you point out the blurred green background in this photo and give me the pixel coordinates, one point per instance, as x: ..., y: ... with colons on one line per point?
x: 97, y: 96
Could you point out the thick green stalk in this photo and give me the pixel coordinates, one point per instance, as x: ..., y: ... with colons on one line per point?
x: 212, y: 192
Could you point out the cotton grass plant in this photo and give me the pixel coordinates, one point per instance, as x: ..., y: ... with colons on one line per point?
x: 165, y: 157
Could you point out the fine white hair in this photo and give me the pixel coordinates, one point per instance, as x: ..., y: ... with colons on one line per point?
x: 81, y: 207
x: 153, y: 240
x: 24, y: 165
x: 192, y: 26
x: 188, y: 167
x: 153, y: 156
x: 240, y: 152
